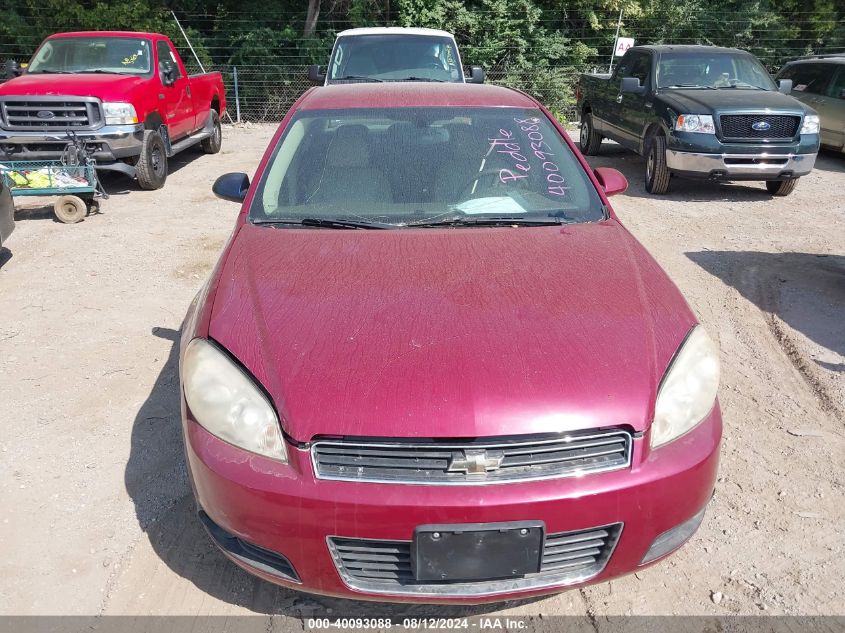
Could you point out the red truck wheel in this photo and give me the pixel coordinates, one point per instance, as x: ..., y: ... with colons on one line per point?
x: 212, y: 144
x: 152, y: 163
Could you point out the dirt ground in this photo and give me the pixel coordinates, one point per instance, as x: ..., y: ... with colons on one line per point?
x: 96, y: 514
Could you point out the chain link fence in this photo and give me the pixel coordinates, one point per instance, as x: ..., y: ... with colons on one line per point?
x: 266, y: 92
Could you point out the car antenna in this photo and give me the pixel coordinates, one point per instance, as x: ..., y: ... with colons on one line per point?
x: 196, y: 57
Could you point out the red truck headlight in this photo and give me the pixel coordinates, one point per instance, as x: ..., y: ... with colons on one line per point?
x: 119, y: 113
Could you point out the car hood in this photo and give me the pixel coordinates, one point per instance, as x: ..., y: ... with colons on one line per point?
x: 736, y: 100
x: 106, y: 87
x: 449, y: 332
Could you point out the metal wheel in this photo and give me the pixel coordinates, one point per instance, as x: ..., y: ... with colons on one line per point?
x: 70, y: 209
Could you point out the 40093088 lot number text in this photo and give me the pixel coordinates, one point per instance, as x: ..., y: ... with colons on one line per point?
x: 482, y: 623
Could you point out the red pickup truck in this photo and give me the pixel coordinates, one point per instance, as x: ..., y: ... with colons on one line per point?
x: 127, y: 95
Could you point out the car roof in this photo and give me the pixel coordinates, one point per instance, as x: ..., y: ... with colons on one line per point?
x: 403, y: 94
x: 395, y: 30
x: 819, y: 59
x: 688, y: 48
x: 135, y: 34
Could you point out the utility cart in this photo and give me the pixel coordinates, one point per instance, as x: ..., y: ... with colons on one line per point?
x: 72, y: 178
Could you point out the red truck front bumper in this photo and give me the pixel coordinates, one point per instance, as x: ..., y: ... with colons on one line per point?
x: 248, y: 501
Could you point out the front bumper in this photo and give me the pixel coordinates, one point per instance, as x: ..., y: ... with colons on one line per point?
x: 728, y: 166
x: 111, y: 143
x: 284, y: 509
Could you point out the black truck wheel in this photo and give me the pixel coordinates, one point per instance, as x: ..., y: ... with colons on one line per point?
x: 212, y: 144
x: 152, y: 163
x: 70, y: 209
x: 589, y: 140
x: 656, y: 173
x: 781, y: 187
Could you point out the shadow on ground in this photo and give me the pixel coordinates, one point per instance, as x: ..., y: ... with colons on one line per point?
x: 114, y: 183
x: 156, y: 480
x: 117, y: 184
x: 829, y: 160
x: 806, y: 291
x: 5, y: 256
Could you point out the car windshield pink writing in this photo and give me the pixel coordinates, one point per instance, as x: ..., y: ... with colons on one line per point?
x: 539, y: 149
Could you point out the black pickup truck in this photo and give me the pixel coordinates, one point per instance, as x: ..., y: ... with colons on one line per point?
x: 700, y: 111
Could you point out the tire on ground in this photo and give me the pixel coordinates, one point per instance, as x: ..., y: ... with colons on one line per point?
x: 589, y: 140
x: 70, y: 209
x: 212, y: 144
x: 657, y: 174
x: 151, y: 169
x: 781, y: 187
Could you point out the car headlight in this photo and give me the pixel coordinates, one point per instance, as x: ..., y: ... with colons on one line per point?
x: 811, y: 124
x: 700, y: 123
x: 226, y: 402
x: 688, y: 390
x: 119, y: 113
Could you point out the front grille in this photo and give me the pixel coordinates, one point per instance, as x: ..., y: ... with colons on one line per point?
x: 385, y: 566
x: 450, y: 462
x: 45, y: 113
x: 740, y: 126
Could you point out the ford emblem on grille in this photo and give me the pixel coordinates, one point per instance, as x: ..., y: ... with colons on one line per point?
x: 475, y: 461
x: 761, y: 126
x: 44, y: 114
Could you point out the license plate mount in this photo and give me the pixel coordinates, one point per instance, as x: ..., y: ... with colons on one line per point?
x: 467, y: 552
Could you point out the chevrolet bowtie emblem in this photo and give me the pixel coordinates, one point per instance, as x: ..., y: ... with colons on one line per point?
x: 475, y: 461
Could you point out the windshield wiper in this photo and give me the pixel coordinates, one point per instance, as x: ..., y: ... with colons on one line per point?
x: 50, y: 72
x: 495, y: 221
x: 326, y: 223
x: 439, y: 81
x: 690, y: 86
x: 742, y: 85
x: 362, y: 77
x: 99, y: 71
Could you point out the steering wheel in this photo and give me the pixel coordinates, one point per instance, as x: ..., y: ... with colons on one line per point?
x: 495, y: 183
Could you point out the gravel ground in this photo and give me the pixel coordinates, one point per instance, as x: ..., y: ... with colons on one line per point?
x: 94, y: 499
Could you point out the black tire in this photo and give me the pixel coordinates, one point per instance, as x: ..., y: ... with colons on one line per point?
x: 589, y: 140
x: 781, y: 187
x: 151, y: 169
x: 212, y: 144
x: 657, y: 175
x: 70, y: 209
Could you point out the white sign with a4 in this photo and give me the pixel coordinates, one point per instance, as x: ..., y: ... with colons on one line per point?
x: 623, y: 44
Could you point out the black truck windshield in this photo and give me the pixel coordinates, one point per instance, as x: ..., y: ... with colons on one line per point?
x: 118, y: 55
x: 421, y: 166
x: 397, y: 57
x: 712, y: 70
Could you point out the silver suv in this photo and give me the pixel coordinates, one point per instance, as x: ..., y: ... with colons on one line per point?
x: 819, y: 81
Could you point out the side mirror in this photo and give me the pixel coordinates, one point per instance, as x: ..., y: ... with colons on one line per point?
x: 12, y: 69
x: 476, y: 75
x: 785, y: 86
x: 168, y: 76
x: 232, y: 187
x: 611, y: 180
x: 632, y: 85
x: 316, y: 74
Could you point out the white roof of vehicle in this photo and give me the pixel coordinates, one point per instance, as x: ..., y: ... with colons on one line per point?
x: 395, y: 30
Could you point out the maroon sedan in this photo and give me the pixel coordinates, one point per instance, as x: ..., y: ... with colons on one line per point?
x: 432, y: 365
